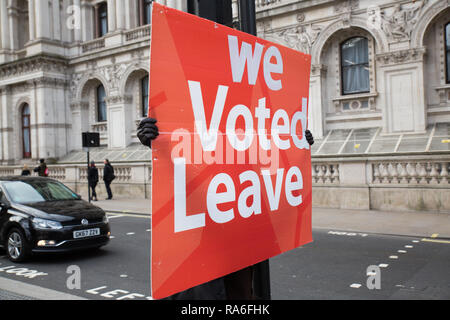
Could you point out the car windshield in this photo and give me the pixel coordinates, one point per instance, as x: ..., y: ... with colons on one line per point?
x: 38, y: 191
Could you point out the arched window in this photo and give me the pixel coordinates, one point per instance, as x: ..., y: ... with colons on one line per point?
x: 355, y: 66
x: 447, y: 50
x: 144, y: 96
x: 26, y: 134
x: 101, y: 104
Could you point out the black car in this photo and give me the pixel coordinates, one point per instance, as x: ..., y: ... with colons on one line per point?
x: 40, y: 214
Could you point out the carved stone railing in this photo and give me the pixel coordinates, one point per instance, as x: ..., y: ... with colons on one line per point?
x: 265, y: 3
x: 415, y: 172
x: 325, y: 173
x: 93, y: 45
x: 8, y: 172
x: 138, y: 33
x: 58, y: 173
x: 100, y: 127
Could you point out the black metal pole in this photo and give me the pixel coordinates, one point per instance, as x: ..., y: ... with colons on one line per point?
x: 220, y: 11
x: 247, y: 16
x: 87, y: 175
x: 261, y: 271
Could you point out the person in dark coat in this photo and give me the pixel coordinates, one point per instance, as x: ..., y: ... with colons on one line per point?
x: 25, y: 171
x: 93, y: 179
x: 250, y: 283
x: 108, y: 177
x: 42, y: 169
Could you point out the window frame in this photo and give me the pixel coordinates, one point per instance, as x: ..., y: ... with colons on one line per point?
x: 102, y: 9
x: 26, y: 154
x: 341, y: 65
x: 144, y: 96
x: 447, y: 52
x: 101, y: 104
x: 146, y: 8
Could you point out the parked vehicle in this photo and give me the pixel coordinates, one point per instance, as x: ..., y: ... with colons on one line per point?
x: 39, y: 214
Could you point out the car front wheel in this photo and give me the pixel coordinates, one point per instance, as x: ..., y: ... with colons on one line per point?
x: 16, y: 246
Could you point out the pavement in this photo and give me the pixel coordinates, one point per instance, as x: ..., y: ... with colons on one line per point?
x: 428, y: 225
x: 417, y: 224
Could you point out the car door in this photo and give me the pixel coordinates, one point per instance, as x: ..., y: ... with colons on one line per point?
x: 4, y: 204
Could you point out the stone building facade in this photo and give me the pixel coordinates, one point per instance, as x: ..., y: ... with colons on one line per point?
x: 379, y: 91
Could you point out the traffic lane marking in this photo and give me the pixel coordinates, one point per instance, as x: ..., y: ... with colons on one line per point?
x: 117, y: 294
x: 436, y: 241
x: 144, y: 216
x: 434, y: 238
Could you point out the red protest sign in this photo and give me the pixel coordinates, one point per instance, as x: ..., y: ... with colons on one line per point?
x: 231, y: 167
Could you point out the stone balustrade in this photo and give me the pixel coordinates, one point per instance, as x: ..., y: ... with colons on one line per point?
x: 423, y: 172
x: 325, y: 173
x: 403, y: 183
x: 138, y: 33
x: 265, y: 3
x: 93, y: 45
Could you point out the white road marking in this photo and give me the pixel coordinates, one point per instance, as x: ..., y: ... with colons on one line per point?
x: 401, y: 251
x: 123, y: 276
x: 415, y: 241
x: 130, y: 233
x: 148, y: 230
x: 393, y: 257
x: 383, y: 265
x: 408, y: 246
x: 355, y: 285
x: 115, y: 216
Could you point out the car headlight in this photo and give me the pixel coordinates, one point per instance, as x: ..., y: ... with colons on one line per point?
x: 105, y: 219
x: 39, y: 223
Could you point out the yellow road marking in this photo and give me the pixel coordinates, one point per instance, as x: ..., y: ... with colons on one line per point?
x: 434, y: 235
x: 437, y: 241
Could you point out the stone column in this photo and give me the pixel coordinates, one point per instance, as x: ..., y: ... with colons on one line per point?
x: 32, y: 20
x: 171, y: 3
x: 5, y: 33
x: 80, y: 122
x: 120, y: 14
x: 13, y: 17
x: 7, y: 124
x: 56, y: 20
x: 181, y: 5
x: 77, y: 31
x: 315, y: 119
x: 42, y: 20
x: 111, y: 15
x: 88, y: 21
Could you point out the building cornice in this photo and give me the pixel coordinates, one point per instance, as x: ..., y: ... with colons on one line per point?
x: 43, y: 63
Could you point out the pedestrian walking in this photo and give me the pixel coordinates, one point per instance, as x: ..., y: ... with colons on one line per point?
x: 93, y: 179
x: 108, y: 177
x: 250, y: 283
x: 25, y: 170
x: 42, y: 169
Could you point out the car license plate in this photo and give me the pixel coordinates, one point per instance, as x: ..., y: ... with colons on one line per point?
x: 86, y: 233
